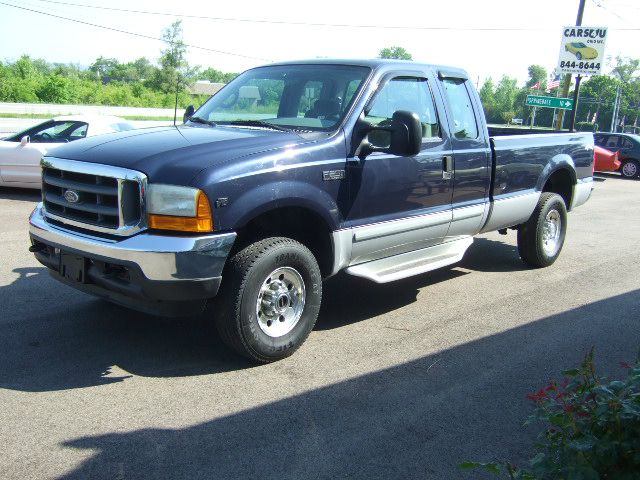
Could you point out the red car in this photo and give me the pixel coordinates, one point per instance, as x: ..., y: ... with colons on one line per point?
x: 605, y: 160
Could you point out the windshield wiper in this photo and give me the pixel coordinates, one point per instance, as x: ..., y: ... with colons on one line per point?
x: 257, y: 123
x: 202, y: 120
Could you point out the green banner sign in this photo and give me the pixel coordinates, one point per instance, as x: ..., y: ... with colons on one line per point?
x: 549, y: 102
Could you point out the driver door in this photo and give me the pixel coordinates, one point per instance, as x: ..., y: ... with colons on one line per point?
x: 400, y: 204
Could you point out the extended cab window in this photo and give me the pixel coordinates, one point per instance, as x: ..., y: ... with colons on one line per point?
x: 464, y: 119
x: 406, y: 93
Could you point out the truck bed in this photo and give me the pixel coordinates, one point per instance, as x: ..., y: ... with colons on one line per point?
x: 520, y: 160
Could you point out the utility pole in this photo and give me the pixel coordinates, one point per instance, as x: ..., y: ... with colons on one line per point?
x: 567, y: 83
x: 616, y: 109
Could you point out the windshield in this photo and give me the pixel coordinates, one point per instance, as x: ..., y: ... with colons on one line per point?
x: 298, y: 97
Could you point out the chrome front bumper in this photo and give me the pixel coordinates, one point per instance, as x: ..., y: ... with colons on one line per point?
x: 159, y: 257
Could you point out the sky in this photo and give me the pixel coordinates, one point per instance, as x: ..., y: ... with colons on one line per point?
x: 488, y: 38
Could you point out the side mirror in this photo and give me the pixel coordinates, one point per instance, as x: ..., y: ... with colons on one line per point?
x: 404, y: 134
x: 25, y: 140
x: 188, y: 113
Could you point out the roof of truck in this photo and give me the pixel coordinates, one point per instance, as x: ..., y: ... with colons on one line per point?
x: 374, y: 63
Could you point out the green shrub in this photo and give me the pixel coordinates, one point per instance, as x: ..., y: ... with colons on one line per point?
x: 592, y: 428
x: 586, y: 127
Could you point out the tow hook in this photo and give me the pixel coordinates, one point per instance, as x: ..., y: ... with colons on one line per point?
x: 37, y: 247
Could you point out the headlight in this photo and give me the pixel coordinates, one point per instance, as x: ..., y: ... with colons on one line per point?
x: 171, y: 207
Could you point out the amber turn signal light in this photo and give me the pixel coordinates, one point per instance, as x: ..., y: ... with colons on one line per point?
x: 202, y: 222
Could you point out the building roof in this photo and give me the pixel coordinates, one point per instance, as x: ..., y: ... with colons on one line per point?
x: 205, y: 87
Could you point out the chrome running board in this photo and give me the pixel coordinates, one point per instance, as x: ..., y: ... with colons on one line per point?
x: 412, y: 263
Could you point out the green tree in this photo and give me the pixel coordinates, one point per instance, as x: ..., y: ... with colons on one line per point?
x: 217, y: 76
x: 174, y: 69
x: 103, y: 67
x: 397, y: 53
x: 55, y: 89
x: 505, y: 97
x: 537, y: 74
x: 625, y: 69
x: 488, y: 99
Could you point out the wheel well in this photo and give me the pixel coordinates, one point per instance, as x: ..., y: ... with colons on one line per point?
x: 560, y: 182
x: 300, y: 224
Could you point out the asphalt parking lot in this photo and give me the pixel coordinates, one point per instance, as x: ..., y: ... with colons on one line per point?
x: 402, y: 380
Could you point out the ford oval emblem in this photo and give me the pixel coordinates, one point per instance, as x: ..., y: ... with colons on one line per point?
x: 71, y: 196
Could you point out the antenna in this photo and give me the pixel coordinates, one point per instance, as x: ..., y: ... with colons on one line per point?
x: 175, y: 110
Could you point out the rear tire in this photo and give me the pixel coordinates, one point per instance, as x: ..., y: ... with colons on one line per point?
x: 269, y: 299
x: 629, y: 168
x: 541, y: 238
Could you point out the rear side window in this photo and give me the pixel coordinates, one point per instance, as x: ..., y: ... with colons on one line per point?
x: 612, y: 142
x: 464, y: 119
x: 626, y: 143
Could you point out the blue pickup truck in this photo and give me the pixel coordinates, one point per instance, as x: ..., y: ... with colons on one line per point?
x: 290, y: 174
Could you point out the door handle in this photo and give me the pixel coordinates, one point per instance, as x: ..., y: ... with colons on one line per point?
x: 447, y: 167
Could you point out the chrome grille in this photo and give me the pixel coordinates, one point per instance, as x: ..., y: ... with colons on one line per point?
x: 93, y: 197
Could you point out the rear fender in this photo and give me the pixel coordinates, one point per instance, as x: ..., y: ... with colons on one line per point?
x: 558, y: 162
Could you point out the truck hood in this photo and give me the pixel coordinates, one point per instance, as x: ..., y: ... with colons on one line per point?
x: 175, y: 154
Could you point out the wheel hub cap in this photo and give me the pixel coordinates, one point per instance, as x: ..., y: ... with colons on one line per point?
x: 552, y: 229
x: 630, y: 169
x: 280, y: 301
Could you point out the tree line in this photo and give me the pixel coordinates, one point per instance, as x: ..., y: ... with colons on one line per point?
x: 504, y: 100
x: 107, y: 81
x: 142, y: 83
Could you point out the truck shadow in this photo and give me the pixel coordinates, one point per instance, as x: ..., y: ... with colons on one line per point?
x: 84, y: 341
x: 487, y: 255
x: 348, y: 299
x: 419, y: 419
x: 55, y: 338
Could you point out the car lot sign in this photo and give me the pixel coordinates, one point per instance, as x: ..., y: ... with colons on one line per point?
x: 582, y: 50
x: 549, y: 102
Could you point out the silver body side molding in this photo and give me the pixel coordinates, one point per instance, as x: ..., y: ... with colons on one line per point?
x: 581, y: 192
x: 467, y: 220
x: 512, y: 210
x: 412, y: 263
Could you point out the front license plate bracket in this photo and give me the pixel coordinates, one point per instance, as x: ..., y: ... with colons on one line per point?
x: 73, y: 267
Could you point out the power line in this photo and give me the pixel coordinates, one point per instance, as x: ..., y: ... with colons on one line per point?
x: 141, y: 35
x: 599, y: 4
x: 304, y: 24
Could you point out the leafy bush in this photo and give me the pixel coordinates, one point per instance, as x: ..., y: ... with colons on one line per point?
x: 107, y: 82
x: 592, y: 428
x: 586, y: 127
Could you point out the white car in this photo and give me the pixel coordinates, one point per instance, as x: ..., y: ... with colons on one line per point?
x: 20, y: 154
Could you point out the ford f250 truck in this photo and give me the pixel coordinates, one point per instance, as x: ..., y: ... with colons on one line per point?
x: 291, y: 173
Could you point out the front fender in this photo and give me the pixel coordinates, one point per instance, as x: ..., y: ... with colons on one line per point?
x: 280, y: 194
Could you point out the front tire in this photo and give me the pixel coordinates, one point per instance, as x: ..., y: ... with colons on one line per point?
x: 541, y: 238
x: 579, y: 56
x: 629, y: 169
x: 269, y: 299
